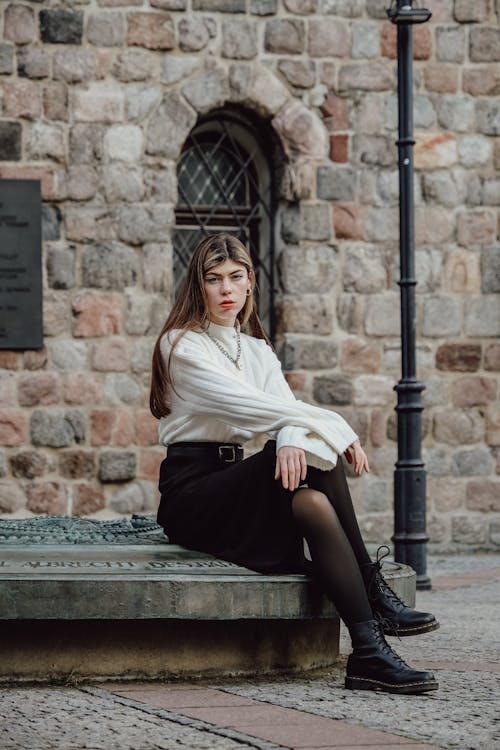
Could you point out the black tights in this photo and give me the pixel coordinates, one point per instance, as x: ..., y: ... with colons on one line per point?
x: 325, y: 515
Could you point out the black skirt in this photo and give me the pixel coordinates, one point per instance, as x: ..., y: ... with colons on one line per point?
x: 235, y: 511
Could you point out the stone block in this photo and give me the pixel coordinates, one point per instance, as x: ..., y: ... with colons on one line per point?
x: 124, y: 183
x: 492, y: 357
x: 112, y: 266
x: 140, y: 224
x: 28, y: 464
x: 490, y: 269
x: 336, y: 111
x: 51, y: 222
x: 151, y: 30
x: 110, y: 355
x: 329, y: 37
x: 77, y: 464
x: 135, y: 65
x: 86, y: 144
x: 484, y: 44
x: 82, y: 182
x: 493, y: 425
x: 46, y: 498
x: 434, y: 151
x: 284, y: 36
x: 35, y: 359
x: 138, y: 314
x: 468, y: 530
x: 123, y: 143
x: 348, y: 221
x: 61, y: 26
x: 55, y: 313
x: 146, y: 428
x: 365, y: 77
x: 117, y: 466
x: 473, y: 390
x: 442, y: 317
x: 437, y: 462
x: 55, y: 101
x: 315, y: 220
x: 305, y: 314
x: 365, y: 40
x: 422, y: 42
x: 474, y: 151
x: 476, y: 228
x: 97, y: 314
x: 106, y: 29
x: 298, y: 73
x: 462, y: 271
x: 458, y: 357
x: 375, y: 496
x: 456, y: 113
x: 32, y: 62
x: 169, y: 127
x: 365, y: 269
x: 482, y: 80
x: 10, y: 141
x: 193, y: 33
x: 75, y: 65
x: 300, y: 132
x: 149, y: 464
x: 491, y: 192
x: 382, y: 315
x: 168, y: 4
x: 120, y: 388
x: 263, y: 7
x: 87, y: 499
x: 156, y: 260
x: 7, y: 388
x: 128, y: 499
x: 82, y: 388
x: 483, y: 495
x: 259, y: 88
x: 19, y: 23
x: 208, y: 91
x: 373, y: 390
x: 12, y: 427
x: 377, y: 150
x: 141, y: 101
x: 360, y: 356
x: 336, y: 183
x: 7, y: 58
x: 306, y: 352
x: 339, y: 148
x: 9, y: 359
x: 97, y: 102
x: 239, y: 40
x: 446, y: 494
x: 472, y: 463
x: 57, y: 428
x: 221, y: 6
x: 469, y: 11
x: 458, y: 427
x: 176, y: 68
x: 334, y: 390
x: 301, y: 7
x: 22, y: 99
x: 12, y: 497
x: 38, y: 388
x: 450, y: 44
x: 68, y: 355
x: 488, y: 116
x: 142, y: 351
x: 346, y: 8
x: 308, y: 269
x: 441, y: 79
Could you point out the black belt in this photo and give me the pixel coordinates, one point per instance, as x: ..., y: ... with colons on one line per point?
x: 226, y: 453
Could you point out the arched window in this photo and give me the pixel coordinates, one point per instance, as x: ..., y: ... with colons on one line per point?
x: 225, y: 183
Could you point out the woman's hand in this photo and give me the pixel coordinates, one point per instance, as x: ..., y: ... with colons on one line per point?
x: 291, y: 466
x: 355, y: 454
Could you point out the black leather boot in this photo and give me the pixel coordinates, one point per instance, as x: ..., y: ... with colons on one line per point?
x: 374, y: 665
x: 395, y: 616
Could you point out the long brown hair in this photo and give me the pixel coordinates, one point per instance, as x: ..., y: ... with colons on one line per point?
x: 190, y: 311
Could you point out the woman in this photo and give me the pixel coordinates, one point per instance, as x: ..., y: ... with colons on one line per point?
x: 214, y: 387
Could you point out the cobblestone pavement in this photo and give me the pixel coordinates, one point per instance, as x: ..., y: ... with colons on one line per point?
x: 463, y: 714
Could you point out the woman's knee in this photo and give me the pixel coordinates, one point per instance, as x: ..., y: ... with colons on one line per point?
x: 308, y: 503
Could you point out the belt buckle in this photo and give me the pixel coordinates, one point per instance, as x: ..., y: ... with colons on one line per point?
x: 231, y: 448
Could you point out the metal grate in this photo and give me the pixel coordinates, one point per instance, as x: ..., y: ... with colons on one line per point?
x: 225, y: 185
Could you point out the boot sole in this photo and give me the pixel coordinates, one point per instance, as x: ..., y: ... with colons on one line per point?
x: 410, y: 688
x: 418, y: 630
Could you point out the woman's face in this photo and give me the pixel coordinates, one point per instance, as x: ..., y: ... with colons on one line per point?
x: 226, y: 288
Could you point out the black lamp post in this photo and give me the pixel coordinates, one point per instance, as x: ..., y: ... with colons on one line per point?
x: 410, y: 537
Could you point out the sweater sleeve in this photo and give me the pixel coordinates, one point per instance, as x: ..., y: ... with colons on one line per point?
x: 206, y: 390
x: 318, y: 452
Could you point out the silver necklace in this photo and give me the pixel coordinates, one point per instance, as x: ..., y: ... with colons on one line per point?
x: 235, y: 360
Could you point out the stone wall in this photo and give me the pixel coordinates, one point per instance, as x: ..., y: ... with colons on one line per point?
x: 97, y: 99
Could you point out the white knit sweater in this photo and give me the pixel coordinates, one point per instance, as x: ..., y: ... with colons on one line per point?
x: 215, y: 401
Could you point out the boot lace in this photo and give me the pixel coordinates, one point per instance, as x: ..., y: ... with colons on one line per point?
x: 384, y: 646
x: 377, y: 582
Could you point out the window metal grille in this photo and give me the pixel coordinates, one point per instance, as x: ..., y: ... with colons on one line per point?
x: 225, y: 184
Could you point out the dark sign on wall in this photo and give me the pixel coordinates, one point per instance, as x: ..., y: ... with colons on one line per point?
x: 20, y: 265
